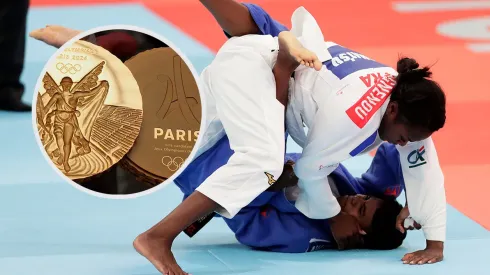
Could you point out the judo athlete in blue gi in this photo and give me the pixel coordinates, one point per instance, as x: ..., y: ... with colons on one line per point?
x: 272, y: 222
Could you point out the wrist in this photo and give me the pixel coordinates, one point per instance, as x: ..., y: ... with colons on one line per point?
x: 434, y: 245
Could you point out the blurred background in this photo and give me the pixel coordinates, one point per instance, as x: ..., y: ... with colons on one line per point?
x: 49, y: 227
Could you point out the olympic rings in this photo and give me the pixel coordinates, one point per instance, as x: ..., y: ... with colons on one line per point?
x: 68, y: 68
x: 172, y: 164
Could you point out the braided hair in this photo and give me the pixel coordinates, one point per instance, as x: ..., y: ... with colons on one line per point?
x: 421, y: 101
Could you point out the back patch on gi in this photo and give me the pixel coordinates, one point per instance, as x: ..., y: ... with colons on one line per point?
x: 345, y: 62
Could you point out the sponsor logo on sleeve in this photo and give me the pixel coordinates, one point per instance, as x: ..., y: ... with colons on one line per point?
x: 416, y: 158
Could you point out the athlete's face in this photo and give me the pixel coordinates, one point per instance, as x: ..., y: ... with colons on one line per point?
x: 397, y: 132
x: 361, y: 207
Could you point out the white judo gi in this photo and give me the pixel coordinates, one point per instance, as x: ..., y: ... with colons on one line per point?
x: 342, y: 106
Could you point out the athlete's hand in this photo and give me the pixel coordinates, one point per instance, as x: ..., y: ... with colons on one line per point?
x: 346, y: 231
x: 433, y: 253
x: 414, y: 226
x: 400, y: 220
x: 287, y: 178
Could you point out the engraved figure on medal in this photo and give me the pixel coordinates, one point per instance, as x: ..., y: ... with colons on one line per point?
x: 90, y: 111
x: 59, y: 118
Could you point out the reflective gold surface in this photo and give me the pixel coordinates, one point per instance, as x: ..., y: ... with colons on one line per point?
x: 172, y: 115
x: 89, y: 110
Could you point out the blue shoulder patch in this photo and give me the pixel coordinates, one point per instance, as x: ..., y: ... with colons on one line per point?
x: 365, y: 144
x: 345, y: 62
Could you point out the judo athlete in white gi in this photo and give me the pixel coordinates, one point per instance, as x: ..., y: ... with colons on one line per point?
x: 349, y: 105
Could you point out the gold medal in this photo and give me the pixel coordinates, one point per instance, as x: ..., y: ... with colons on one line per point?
x: 89, y: 110
x: 172, y: 117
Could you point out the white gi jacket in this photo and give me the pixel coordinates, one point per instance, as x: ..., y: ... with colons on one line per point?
x: 342, y: 105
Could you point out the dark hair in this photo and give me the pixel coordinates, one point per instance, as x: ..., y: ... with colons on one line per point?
x: 383, y: 234
x: 421, y: 101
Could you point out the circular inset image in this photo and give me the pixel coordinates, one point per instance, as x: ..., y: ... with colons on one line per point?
x: 118, y: 111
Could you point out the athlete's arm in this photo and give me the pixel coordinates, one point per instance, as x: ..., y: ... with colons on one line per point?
x: 232, y: 16
x: 424, y: 187
x: 238, y: 19
x: 282, y: 74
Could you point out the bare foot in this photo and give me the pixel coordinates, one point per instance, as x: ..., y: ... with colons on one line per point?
x: 158, y: 252
x: 290, y: 48
x: 54, y: 35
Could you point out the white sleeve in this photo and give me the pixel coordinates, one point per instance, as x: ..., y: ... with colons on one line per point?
x: 330, y: 139
x: 318, y: 160
x: 424, y: 187
x: 315, y: 199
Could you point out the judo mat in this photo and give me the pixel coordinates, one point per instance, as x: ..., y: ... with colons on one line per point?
x: 49, y: 227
